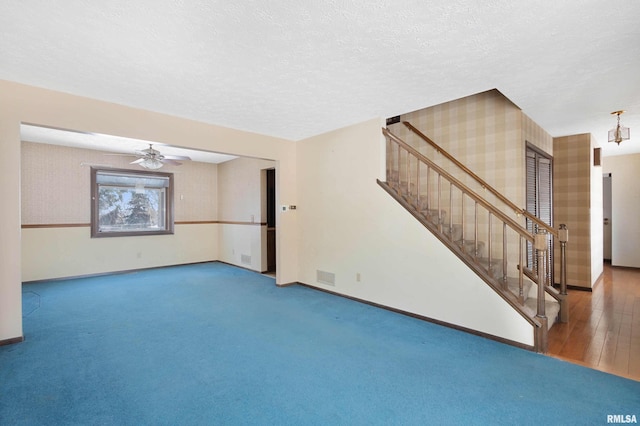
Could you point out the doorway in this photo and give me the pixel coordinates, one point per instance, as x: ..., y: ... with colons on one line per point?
x: 271, y: 219
x: 606, y: 214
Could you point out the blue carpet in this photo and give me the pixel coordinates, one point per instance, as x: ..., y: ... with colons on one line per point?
x: 215, y: 344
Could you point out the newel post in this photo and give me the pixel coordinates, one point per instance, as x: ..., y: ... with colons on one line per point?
x: 563, y: 237
x: 540, y: 244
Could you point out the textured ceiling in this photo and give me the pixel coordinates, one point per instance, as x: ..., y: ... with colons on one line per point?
x: 295, y: 69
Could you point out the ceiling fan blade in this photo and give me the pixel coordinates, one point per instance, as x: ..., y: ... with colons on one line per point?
x: 122, y: 155
x: 170, y: 161
x: 151, y: 155
x: 177, y: 157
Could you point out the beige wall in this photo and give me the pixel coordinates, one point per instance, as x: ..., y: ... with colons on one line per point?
x: 242, y: 200
x: 577, y: 191
x: 10, y: 246
x: 56, y: 185
x: 20, y: 103
x: 625, y: 204
x: 351, y: 226
x: 56, y: 191
x: 241, y: 190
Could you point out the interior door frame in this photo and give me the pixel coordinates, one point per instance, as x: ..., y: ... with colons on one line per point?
x: 270, y: 206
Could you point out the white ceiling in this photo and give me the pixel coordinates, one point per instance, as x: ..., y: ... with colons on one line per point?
x: 295, y: 69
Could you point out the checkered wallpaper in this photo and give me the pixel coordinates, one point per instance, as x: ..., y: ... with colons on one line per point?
x: 488, y: 134
x: 574, y: 191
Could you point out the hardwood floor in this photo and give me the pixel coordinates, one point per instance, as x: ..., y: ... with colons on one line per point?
x: 603, y: 331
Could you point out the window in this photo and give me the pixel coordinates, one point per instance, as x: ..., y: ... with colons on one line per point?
x: 131, y: 202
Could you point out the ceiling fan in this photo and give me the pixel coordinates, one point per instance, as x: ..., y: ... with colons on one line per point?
x: 152, y: 159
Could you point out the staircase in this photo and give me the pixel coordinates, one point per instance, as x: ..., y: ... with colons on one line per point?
x: 482, y: 234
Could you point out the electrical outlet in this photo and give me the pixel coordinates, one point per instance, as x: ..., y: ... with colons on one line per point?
x: 358, y: 277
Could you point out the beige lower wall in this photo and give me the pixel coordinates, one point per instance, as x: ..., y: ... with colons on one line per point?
x: 351, y: 227
x: 68, y: 252
x: 243, y: 245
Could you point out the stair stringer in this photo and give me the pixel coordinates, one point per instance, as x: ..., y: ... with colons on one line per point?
x: 524, y: 311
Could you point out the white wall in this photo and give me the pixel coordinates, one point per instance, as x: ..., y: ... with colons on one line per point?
x: 625, y: 205
x: 21, y: 103
x: 596, y: 211
x: 350, y: 226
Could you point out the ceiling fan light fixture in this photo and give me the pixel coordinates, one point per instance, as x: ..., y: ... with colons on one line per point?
x: 618, y: 133
x: 151, y: 164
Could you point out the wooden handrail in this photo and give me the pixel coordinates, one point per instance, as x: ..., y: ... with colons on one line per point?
x: 481, y: 181
x: 411, y: 198
x: 479, y: 199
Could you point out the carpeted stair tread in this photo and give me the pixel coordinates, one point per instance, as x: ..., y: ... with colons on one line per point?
x: 470, y: 245
x: 496, y: 264
x: 513, y: 285
x: 552, y: 308
x: 454, y: 232
x: 432, y: 215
